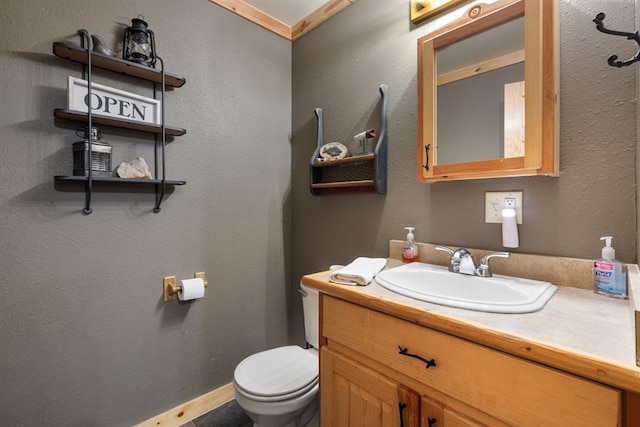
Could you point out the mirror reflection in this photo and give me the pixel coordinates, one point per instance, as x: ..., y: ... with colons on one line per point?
x: 480, y: 96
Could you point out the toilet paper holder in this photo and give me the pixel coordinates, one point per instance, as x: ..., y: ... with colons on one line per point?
x: 170, y: 289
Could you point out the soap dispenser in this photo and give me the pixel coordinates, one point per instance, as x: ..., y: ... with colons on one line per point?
x: 410, y: 250
x: 609, y: 276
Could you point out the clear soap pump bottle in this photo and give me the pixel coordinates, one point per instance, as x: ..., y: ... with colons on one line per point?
x: 410, y: 250
x: 609, y: 276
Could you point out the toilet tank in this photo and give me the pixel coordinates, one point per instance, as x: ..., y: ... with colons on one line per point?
x: 311, y: 310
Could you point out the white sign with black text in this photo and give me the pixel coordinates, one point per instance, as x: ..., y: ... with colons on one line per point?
x: 107, y: 101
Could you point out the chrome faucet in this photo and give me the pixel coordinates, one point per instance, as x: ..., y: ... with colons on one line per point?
x: 461, y: 261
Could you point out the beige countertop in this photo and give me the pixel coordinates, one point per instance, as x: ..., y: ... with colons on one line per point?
x: 577, y: 331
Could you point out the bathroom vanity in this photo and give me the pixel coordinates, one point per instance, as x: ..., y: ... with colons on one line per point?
x: 390, y: 360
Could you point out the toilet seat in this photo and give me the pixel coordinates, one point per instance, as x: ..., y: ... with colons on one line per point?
x: 278, y: 374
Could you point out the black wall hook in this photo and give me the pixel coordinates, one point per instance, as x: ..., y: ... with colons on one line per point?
x: 613, y: 59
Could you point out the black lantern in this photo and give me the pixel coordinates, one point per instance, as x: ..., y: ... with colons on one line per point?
x: 139, y: 43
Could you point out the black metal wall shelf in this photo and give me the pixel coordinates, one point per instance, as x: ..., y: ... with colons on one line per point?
x: 117, y: 65
x: 364, y: 173
x: 117, y: 180
x: 90, y: 59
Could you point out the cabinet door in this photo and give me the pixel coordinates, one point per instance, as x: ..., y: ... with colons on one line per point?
x: 353, y: 395
x: 435, y: 414
x: 431, y: 413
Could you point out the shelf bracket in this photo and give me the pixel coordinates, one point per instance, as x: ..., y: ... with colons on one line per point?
x: 380, y: 163
x: 160, y: 188
x: 87, y: 44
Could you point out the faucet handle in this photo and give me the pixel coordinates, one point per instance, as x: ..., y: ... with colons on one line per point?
x: 444, y: 249
x: 483, y: 269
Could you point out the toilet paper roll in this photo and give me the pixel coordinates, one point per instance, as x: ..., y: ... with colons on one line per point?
x: 191, y: 289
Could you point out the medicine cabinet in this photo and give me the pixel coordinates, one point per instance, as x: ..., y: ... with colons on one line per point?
x: 488, y: 93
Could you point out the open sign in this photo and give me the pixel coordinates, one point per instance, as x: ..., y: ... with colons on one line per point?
x: 108, y: 101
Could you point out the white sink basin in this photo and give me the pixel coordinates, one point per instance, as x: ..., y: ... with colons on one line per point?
x: 497, y: 294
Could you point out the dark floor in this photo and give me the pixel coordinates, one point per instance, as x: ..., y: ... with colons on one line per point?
x: 227, y: 415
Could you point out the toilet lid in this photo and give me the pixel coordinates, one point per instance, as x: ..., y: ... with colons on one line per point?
x: 277, y: 372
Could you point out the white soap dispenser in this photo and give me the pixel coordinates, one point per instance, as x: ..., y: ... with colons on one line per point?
x: 410, y: 249
x: 609, y: 276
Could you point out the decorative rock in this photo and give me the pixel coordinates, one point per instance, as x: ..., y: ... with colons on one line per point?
x: 136, y: 168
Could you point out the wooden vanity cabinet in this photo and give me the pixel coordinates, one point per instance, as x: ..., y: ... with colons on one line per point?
x: 354, y: 395
x: 373, y: 363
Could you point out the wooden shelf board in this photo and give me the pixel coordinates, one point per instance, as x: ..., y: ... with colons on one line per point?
x: 114, y: 179
x: 79, y: 116
x: 345, y: 161
x: 110, y: 63
x: 343, y: 184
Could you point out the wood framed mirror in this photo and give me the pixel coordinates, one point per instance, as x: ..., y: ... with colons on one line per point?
x: 488, y: 93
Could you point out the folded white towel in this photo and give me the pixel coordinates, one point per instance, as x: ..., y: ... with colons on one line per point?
x: 360, y: 272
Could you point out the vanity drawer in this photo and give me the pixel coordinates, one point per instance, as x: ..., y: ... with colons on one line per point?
x: 514, y: 390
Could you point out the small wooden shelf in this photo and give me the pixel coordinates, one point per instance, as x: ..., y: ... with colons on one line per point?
x: 364, y: 173
x: 117, y: 180
x: 97, y: 119
x: 78, y: 54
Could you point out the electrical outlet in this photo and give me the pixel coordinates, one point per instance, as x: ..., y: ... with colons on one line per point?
x: 510, y: 202
x: 496, y: 201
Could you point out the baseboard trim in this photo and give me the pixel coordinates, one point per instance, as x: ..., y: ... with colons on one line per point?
x: 192, y: 409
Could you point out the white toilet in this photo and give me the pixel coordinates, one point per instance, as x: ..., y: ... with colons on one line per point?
x: 279, y: 387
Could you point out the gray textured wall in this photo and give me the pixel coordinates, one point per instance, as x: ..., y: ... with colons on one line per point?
x: 339, y: 67
x: 85, y: 338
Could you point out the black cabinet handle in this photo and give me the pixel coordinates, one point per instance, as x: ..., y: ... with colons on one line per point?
x: 404, y: 352
x: 431, y: 421
x: 426, y: 151
x: 402, y: 406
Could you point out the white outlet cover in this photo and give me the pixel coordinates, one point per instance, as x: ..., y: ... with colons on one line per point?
x: 494, y: 203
